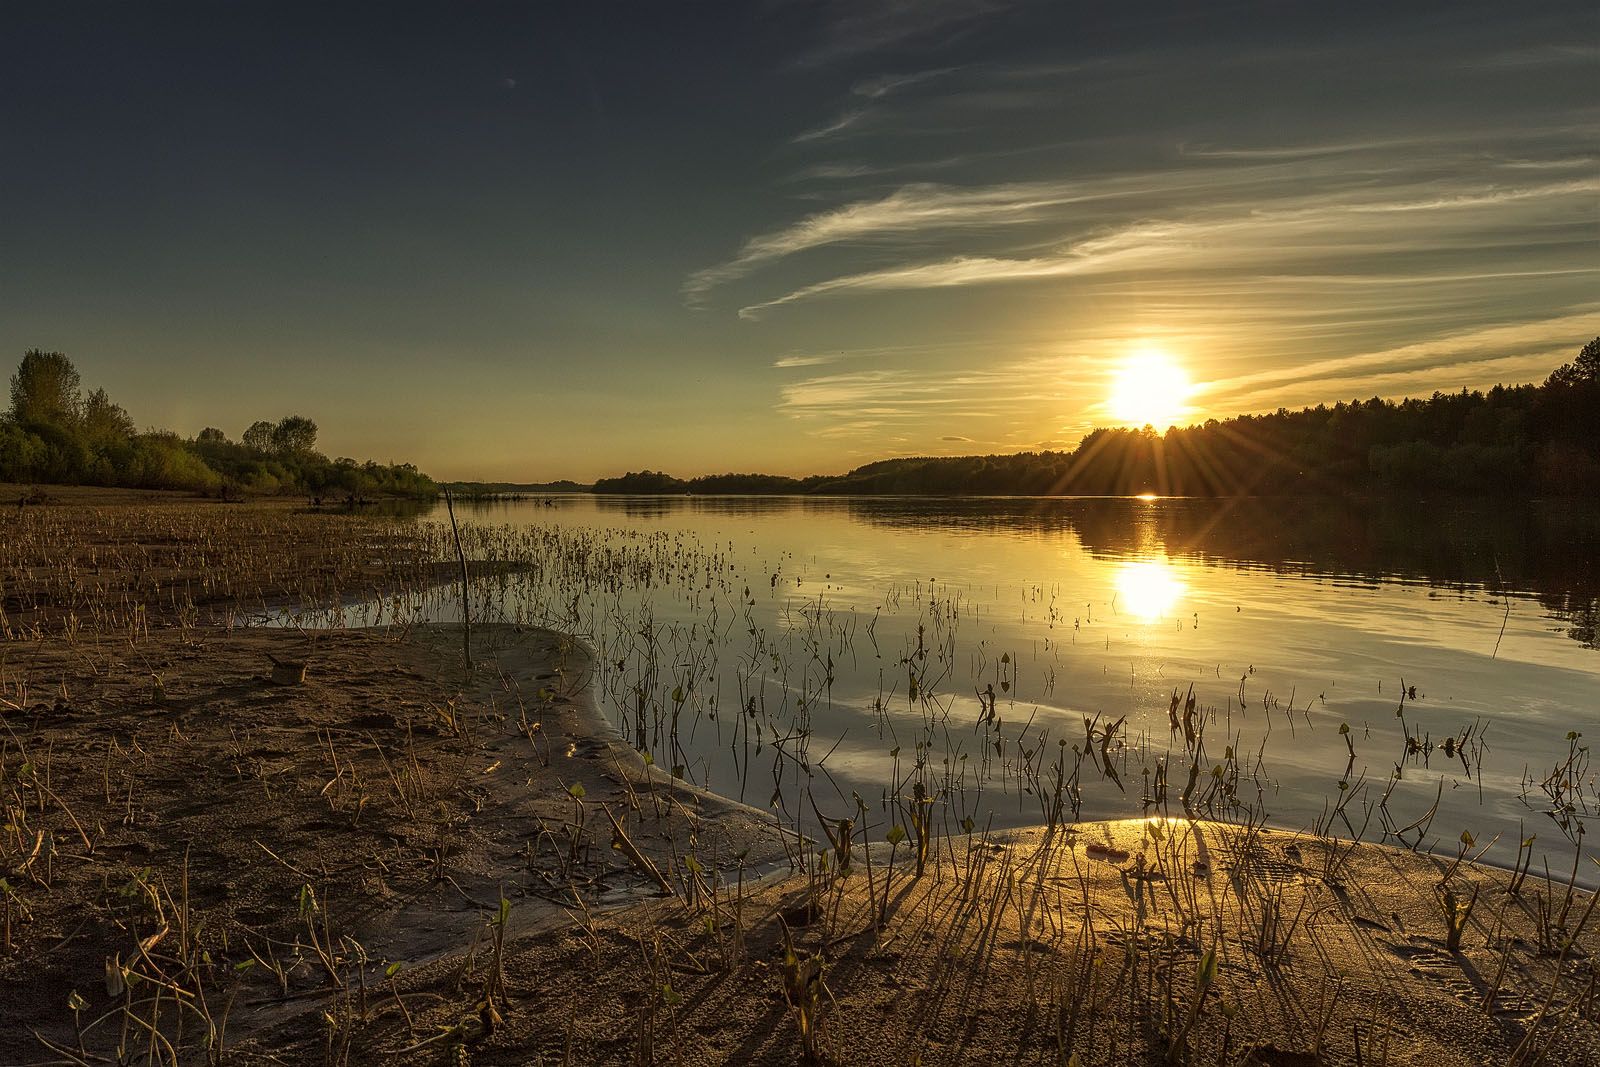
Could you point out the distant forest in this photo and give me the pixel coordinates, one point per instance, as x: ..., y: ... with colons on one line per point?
x: 491, y: 490
x: 1511, y: 440
x: 53, y: 434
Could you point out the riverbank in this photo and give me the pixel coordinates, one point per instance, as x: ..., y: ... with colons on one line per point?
x: 279, y: 856
x: 178, y: 818
x: 394, y: 859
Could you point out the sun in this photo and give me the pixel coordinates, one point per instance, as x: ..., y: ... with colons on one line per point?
x: 1149, y: 389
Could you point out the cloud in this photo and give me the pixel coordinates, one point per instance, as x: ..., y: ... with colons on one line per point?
x: 1536, y: 343
x: 1253, y: 185
x: 953, y: 437
x: 854, y: 28
x: 913, y: 209
x: 873, y: 91
x: 828, y: 129
x: 835, y: 172
x: 885, y: 84
x: 1310, y: 231
x: 806, y: 361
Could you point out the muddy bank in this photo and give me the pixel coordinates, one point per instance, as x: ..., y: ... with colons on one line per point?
x: 175, y: 816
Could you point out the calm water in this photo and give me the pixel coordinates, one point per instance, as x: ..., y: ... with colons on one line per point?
x: 770, y: 647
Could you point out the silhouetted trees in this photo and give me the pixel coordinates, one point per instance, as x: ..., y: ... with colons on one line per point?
x: 53, y: 435
x: 1585, y: 368
x: 710, y: 484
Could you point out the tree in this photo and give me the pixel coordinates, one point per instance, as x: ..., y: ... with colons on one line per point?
x: 45, y: 389
x: 258, y: 436
x: 294, y: 435
x: 212, y: 436
x: 1586, y: 368
x: 1588, y: 362
x: 103, y: 421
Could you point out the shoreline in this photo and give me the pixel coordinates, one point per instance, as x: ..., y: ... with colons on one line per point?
x: 1038, y: 917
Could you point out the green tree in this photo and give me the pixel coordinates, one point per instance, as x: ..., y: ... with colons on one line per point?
x: 45, y: 389
x: 258, y: 436
x: 103, y: 421
x: 295, y: 435
x: 212, y: 436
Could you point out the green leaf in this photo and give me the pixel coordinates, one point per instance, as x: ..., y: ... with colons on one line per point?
x: 897, y: 834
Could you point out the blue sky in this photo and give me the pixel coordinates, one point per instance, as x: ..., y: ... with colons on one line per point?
x: 537, y: 241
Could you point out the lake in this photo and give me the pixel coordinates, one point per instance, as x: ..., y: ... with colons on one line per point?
x: 1399, y: 670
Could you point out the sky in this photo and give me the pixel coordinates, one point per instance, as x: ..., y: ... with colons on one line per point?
x: 565, y: 240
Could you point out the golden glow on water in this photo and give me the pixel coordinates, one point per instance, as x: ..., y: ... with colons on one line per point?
x: 1150, y: 389
x: 1148, y: 589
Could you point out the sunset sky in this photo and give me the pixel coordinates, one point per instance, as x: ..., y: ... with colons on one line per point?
x: 531, y: 241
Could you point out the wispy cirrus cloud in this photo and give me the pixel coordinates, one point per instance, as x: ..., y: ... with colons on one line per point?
x: 787, y: 362
x: 868, y: 93
x: 1535, y: 346
x: 851, y: 28
x: 1238, y: 236
x: 910, y: 210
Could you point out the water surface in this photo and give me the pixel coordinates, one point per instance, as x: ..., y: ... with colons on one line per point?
x: 839, y: 652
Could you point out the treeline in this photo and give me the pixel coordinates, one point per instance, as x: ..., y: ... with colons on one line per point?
x: 646, y: 482
x: 53, y: 434
x: 491, y: 490
x: 1541, y: 439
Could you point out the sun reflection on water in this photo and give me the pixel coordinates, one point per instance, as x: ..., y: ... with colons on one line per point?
x: 1148, y: 589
